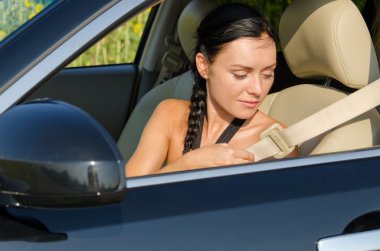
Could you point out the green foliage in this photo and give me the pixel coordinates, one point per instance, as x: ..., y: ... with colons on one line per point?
x: 359, y: 3
x: 120, y: 46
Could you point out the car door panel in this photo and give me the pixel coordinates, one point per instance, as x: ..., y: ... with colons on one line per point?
x: 289, y: 209
x: 105, y: 92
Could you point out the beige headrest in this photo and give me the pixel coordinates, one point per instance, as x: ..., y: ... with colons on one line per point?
x: 328, y: 38
x: 191, y: 16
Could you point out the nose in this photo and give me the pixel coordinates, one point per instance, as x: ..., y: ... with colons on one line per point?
x: 254, y: 87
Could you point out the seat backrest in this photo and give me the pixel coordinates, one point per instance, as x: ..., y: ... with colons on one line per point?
x: 326, y: 39
x: 179, y: 87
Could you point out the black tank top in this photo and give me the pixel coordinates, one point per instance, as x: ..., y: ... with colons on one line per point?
x: 226, y: 135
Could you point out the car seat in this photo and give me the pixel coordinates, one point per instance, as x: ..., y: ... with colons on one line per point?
x: 326, y: 39
x: 320, y: 39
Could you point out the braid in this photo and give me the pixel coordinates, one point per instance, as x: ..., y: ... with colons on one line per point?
x: 197, y: 112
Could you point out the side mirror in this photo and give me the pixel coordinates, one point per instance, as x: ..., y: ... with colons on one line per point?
x: 52, y: 154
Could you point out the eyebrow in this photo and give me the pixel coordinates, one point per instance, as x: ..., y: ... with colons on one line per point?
x: 250, y: 68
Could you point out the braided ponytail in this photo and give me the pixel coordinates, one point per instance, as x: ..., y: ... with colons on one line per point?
x: 198, y: 110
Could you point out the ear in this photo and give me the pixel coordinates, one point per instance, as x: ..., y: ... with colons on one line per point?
x: 202, y: 65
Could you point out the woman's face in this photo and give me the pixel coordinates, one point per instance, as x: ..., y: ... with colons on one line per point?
x: 240, y: 76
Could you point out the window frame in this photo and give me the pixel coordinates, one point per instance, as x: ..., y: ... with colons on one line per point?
x: 24, y: 26
x: 244, y: 169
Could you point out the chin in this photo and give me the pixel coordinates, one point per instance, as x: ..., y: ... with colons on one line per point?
x: 245, y: 114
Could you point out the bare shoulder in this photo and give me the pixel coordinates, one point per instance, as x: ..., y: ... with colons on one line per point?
x: 259, y: 123
x: 173, y: 105
x: 172, y: 111
x: 265, y: 120
x: 270, y: 121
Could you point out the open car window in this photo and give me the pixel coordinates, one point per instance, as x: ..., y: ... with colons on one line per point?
x: 14, y: 14
x: 118, y: 47
x: 273, y: 12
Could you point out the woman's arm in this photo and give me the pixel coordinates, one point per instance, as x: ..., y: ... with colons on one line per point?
x: 209, y: 156
x: 154, y: 143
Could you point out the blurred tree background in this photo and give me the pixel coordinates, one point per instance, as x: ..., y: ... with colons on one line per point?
x: 121, y: 45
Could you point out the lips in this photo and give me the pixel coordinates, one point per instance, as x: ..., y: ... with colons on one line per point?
x: 249, y: 103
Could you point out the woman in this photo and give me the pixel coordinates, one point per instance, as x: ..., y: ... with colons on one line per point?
x: 233, y: 71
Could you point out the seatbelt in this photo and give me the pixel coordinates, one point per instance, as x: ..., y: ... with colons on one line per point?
x: 172, y: 61
x: 278, y: 142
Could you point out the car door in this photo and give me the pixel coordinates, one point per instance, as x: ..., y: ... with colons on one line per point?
x: 278, y: 205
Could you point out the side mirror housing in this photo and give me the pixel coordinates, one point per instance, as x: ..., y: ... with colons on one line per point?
x: 53, y: 154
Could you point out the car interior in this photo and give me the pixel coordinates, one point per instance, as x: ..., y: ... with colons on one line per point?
x: 326, y: 51
x: 308, y: 56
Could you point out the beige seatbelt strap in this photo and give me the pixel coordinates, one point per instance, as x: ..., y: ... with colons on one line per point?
x: 279, y: 142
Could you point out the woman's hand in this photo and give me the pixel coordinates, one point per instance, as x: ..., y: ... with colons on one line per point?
x: 210, y: 156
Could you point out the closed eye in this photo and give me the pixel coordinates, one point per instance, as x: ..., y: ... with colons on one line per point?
x: 239, y: 76
x: 268, y: 76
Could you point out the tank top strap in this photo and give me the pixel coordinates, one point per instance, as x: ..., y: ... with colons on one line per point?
x: 230, y: 131
x: 225, y: 137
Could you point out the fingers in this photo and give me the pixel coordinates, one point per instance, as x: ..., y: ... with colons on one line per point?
x: 222, y: 154
x: 239, y: 153
x: 243, y: 154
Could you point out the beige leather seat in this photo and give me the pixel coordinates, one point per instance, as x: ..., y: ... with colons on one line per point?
x: 326, y: 38
x: 320, y: 39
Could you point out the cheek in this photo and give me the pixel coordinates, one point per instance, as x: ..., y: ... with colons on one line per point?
x: 267, y: 86
x: 226, y: 97
x: 225, y: 87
